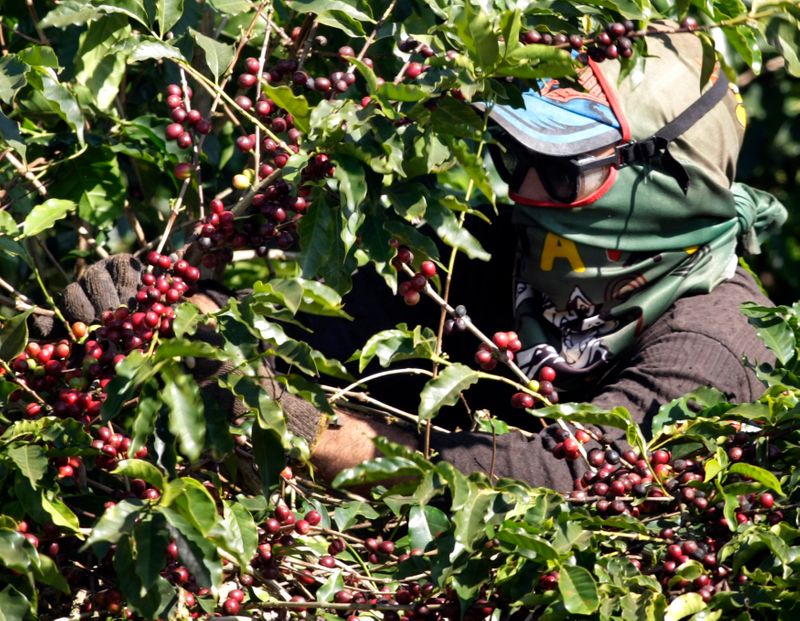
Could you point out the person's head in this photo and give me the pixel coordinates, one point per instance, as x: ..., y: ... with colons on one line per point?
x: 566, y: 146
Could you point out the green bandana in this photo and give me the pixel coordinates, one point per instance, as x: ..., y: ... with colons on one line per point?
x: 590, y: 280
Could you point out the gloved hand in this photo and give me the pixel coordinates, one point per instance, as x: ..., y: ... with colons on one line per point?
x: 106, y: 285
x: 114, y: 282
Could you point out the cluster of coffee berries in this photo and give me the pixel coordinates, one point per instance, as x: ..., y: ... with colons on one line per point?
x: 412, y: 288
x: 627, y: 483
x: 505, y: 345
x: 568, y: 445
x: 70, y: 377
x: 543, y: 385
x: 113, y: 446
x: 186, y: 122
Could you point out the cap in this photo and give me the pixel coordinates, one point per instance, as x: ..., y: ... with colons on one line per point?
x: 560, y: 121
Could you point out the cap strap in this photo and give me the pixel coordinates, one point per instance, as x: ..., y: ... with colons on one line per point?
x: 657, y: 145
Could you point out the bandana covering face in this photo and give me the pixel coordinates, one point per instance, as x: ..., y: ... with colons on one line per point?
x: 590, y: 279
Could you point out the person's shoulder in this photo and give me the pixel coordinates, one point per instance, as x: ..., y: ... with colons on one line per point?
x: 718, y: 315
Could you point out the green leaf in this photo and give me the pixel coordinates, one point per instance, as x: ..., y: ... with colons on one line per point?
x: 44, y: 216
x: 345, y: 15
x: 519, y: 540
x: 743, y: 40
x: 39, y: 55
x: 578, y: 590
x: 16, y: 552
x: 140, y: 469
x: 236, y: 533
x: 453, y: 233
x: 64, y: 102
x: 486, y: 48
x: 12, y: 77
x: 376, y: 470
x: 70, y: 13
x: 296, y: 105
x: 186, y: 421
x: 425, y: 523
x: 187, y: 318
x: 115, y: 522
x: 180, y: 348
x: 144, y: 601
x: 46, y: 571
x: 332, y: 584
x: 218, y: 55
x: 14, y: 336
x: 683, y: 606
x: 149, y: 48
x: 31, y: 461
x: 135, y: 9
x: 99, y: 65
x: 196, y: 552
x: 231, y: 7
x: 352, y: 192
x: 765, y: 477
x: 168, y: 12
x: 59, y: 512
x: 471, y: 517
x: 98, y: 190
x: 150, y: 540
x: 348, y: 513
x: 268, y: 455
x: 9, y: 133
x: 774, y: 330
x: 398, y: 344
x: 390, y: 91
x: 193, y: 501
x: 14, y: 606
x: 445, y: 389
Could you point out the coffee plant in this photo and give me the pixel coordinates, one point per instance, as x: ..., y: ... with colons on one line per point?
x: 280, y: 150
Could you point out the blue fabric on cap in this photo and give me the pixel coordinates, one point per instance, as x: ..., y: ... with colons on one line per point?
x: 568, y: 124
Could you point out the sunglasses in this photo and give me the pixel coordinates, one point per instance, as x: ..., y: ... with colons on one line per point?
x: 548, y: 180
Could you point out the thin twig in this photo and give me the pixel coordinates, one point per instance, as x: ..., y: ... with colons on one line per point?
x: 24, y: 171
x: 23, y: 306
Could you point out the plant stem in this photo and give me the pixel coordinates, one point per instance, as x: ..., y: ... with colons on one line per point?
x: 411, y: 371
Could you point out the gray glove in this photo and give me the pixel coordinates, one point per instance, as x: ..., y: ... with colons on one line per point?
x: 106, y: 285
x: 114, y: 281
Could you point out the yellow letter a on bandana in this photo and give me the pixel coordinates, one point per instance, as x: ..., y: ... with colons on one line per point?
x: 557, y: 247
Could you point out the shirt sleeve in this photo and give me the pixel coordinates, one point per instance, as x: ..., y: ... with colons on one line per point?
x: 702, y: 340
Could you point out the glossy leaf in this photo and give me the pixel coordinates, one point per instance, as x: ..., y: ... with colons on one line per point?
x: 218, y: 55
x: 425, y: 523
x: 45, y: 215
x: 31, y: 461
x: 190, y: 498
x: 765, y: 477
x: 100, y: 68
x: 236, y: 533
x: 377, y: 470
x: 14, y: 337
x: 578, y: 590
x: 684, y: 606
x: 186, y: 422
x: 115, y: 522
x: 14, y: 606
x: 196, y: 552
x: 399, y: 344
x: 140, y: 469
x: 168, y: 12
x: 12, y: 77
x: 445, y: 390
